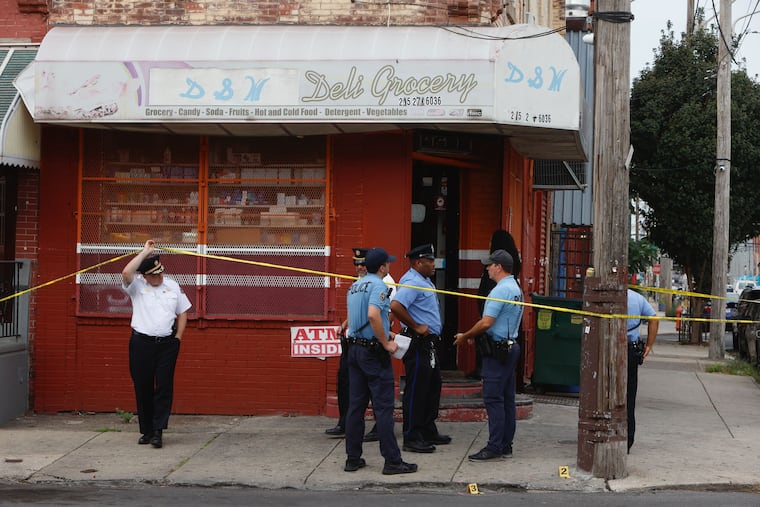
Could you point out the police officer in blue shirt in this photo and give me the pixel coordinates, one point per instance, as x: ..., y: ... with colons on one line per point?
x: 369, y: 365
x: 419, y: 311
x: 342, y: 382
x: 496, y: 336
x: 637, y: 351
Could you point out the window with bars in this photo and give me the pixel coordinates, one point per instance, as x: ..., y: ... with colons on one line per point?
x: 244, y: 221
x: 570, y: 257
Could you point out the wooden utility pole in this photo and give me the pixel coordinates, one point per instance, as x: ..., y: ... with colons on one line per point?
x: 602, y: 424
x: 722, y: 184
x: 689, y: 17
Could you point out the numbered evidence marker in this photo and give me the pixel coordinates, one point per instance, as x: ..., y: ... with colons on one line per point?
x: 564, y: 471
x: 472, y: 489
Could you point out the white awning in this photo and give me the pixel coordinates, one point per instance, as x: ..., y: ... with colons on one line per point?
x: 520, y: 81
x: 19, y: 136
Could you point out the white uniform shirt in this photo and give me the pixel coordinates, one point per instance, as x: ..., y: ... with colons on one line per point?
x: 155, y: 308
x: 388, y: 280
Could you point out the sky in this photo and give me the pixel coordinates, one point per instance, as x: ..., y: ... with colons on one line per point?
x: 651, y: 17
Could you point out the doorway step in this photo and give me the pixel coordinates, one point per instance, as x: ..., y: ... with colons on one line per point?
x: 461, y: 401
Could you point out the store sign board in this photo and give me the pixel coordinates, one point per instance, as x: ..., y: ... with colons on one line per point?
x: 314, y: 341
x: 522, y: 89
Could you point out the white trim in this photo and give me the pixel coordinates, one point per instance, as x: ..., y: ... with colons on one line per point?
x: 473, y: 255
x: 469, y: 283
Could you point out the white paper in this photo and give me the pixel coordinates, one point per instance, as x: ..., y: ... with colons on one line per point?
x: 403, y: 345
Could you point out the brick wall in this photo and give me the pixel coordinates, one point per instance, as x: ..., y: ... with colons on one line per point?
x: 54, y: 347
x: 307, y: 12
x: 27, y: 216
x: 27, y: 247
x: 20, y: 21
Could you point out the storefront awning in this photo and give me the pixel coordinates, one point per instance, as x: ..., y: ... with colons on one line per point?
x: 520, y: 81
x: 19, y: 136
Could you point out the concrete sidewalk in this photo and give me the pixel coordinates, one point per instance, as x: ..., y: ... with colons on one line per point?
x: 695, y: 429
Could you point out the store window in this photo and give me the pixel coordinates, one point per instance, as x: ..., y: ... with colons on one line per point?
x: 244, y: 219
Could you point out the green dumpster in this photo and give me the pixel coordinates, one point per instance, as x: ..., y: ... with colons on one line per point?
x: 558, y: 341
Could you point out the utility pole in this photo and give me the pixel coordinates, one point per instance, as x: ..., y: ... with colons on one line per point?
x: 689, y: 17
x: 722, y: 183
x: 602, y: 419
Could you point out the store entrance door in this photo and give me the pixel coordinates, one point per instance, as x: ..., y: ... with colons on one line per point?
x: 435, y: 219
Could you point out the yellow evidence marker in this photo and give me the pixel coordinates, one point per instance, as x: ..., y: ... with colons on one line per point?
x: 564, y: 471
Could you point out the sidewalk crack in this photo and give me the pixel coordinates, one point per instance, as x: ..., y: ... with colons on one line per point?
x: 713, y: 405
x: 335, y: 447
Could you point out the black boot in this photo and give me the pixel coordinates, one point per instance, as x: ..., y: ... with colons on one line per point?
x: 156, y: 441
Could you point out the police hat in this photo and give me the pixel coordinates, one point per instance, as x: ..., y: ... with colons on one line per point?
x: 501, y: 257
x: 359, y: 255
x: 376, y: 257
x: 151, y: 266
x: 422, y: 252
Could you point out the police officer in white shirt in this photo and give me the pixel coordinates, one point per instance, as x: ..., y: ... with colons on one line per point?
x: 159, y: 318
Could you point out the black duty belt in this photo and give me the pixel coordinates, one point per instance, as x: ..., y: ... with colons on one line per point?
x: 153, y: 339
x: 364, y: 342
x: 505, y: 344
x: 430, y: 337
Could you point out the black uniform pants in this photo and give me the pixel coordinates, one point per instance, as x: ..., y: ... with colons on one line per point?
x: 342, y: 386
x: 370, y: 378
x: 422, y: 392
x: 633, y: 385
x: 152, y: 365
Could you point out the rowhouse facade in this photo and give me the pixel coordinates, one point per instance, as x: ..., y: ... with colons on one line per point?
x: 258, y: 156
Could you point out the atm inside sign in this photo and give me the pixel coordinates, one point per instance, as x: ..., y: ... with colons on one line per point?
x: 314, y: 341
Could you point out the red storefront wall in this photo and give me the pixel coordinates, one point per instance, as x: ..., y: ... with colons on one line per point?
x: 502, y: 197
x: 229, y: 367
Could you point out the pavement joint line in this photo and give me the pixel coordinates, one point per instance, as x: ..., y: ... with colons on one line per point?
x: 712, y: 403
x: 41, y: 470
x: 184, y: 461
x: 338, y: 441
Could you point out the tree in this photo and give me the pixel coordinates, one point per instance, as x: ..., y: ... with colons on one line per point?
x: 673, y: 131
x: 641, y: 255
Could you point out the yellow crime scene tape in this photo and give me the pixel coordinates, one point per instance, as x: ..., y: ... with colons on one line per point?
x: 438, y: 291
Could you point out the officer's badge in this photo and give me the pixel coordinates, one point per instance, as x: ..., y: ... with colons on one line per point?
x: 383, y: 295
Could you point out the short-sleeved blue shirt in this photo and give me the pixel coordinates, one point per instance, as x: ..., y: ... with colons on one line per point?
x: 422, y: 305
x: 366, y: 291
x: 507, y: 315
x: 637, y: 305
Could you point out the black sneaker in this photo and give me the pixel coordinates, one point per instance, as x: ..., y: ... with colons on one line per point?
x: 337, y: 431
x: 507, y: 452
x: 484, y: 455
x: 144, y: 439
x: 399, y: 468
x: 352, y: 465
